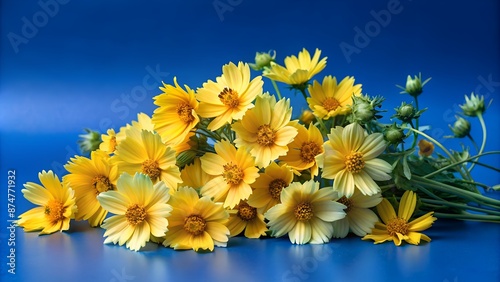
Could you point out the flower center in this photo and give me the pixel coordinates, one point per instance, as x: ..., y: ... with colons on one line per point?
x: 101, y: 184
x: 195, y: 224
x: 303, y: 211
x: 309, y: 151
x: 152, y: 169
x: 354, y: 162
x: 184, y: 111
x: 331, y: 104
x: 229, y: 97
x: 232, y: 174
x: 135, y: 214
x: 54, y: 210
x: 246, y: 212
x: 397, y: 225
x: 265, y: 135
x: 346, y: 202
x: 275, y: 188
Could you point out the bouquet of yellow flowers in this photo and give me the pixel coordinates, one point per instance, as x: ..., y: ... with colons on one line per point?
x: 227, y: 159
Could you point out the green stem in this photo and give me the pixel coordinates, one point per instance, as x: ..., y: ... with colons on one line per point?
x: 460, y: 206
x: 485, y: 135
x: 276, y: 89
x: 463, y: 161
x: 468, y: 216
x: 303, y: 91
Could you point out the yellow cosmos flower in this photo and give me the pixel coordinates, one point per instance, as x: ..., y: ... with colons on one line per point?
x: 306, y: 213
x: 176, y: 114
x: 109, y: 141
x: 140, y: 209
x: 302, y: 151
x: 89, y: 177
x: 360, y: 219
x: 265, y: 129
x: 230, y: 96
x: 267, y: 188
x: 330, y: 99
x: 234, y: 171
x: 298, y: 70
x: 193, y: 175
x: 196, y: 223
x: 246, y: 217
x: 147, y: 154
x: 57, y: 205
x: 399, y: 228
x: 350, y: 159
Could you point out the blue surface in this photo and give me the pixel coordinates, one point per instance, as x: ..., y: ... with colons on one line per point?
x: 96, y: 65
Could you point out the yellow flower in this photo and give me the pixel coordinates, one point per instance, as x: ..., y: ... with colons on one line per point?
x: 302, y: 151
x: 265, y: 129
x: 140, y: 209
x: 306, y: 213
x: 147, y: 154
x: 267, y: 188
x: 234, y: 171
x: 196, y: 223
x: 350, y: 159
x: 230, y: 97
x: 246, y: 217
x: 193, y: 175
x: 331, y: 99
x: 176, y: 114
x: 397, y: 228
x: 359, y: 219
x: 89, y: 177
x: 109, y: 141
x: 298, y: 70
x: 56, y: 202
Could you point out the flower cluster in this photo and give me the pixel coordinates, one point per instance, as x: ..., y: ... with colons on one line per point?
x: 229, y: 159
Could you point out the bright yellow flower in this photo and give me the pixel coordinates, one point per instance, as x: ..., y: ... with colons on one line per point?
x: 306, y: 213
x: 398, y: 228
x: 147, y: 154
x: 267, y: 188
x: 246, y: 217
x: 196, y: 223
x: 265, y: 130
x: 112, y: 138
x: 350, y: 159
x: 140, y: 209
x: 302, y: 151
x: 234, y: 171
x: 193, y: 175
x: 109, y: 141
x: 56, y: 202
x: 89, y: 177
x: 298, y: 70
x: 176, y: 114
x: 330, y: 99
x: 359, y: 219
x: 230, y: 97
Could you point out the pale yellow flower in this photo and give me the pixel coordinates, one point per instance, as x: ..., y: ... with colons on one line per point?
x: 196, y: 223
x: 90, y: 177
x: 192, y: 175
x: 57, y: 205
x: 230, y: 96
x: 298, y: 70
x: 246, y: 217
x: 234, y: 171
x: 350, y: 159
x: 399, y: 228
x: 140, y: 209
x: 265, y: 130
x: 306, y: 213
x: 330, y: 99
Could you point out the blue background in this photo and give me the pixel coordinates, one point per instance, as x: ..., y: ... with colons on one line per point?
x: 68, y: 65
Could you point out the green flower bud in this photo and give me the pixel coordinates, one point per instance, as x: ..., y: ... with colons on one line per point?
x: 263, y: 60
x: 363, y: 109
x: 407, y: 112
x: 461, y: 127
x: 90, y: 141
x: 474, y: 105
x: 414, y: 86
x: 394, y: 134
